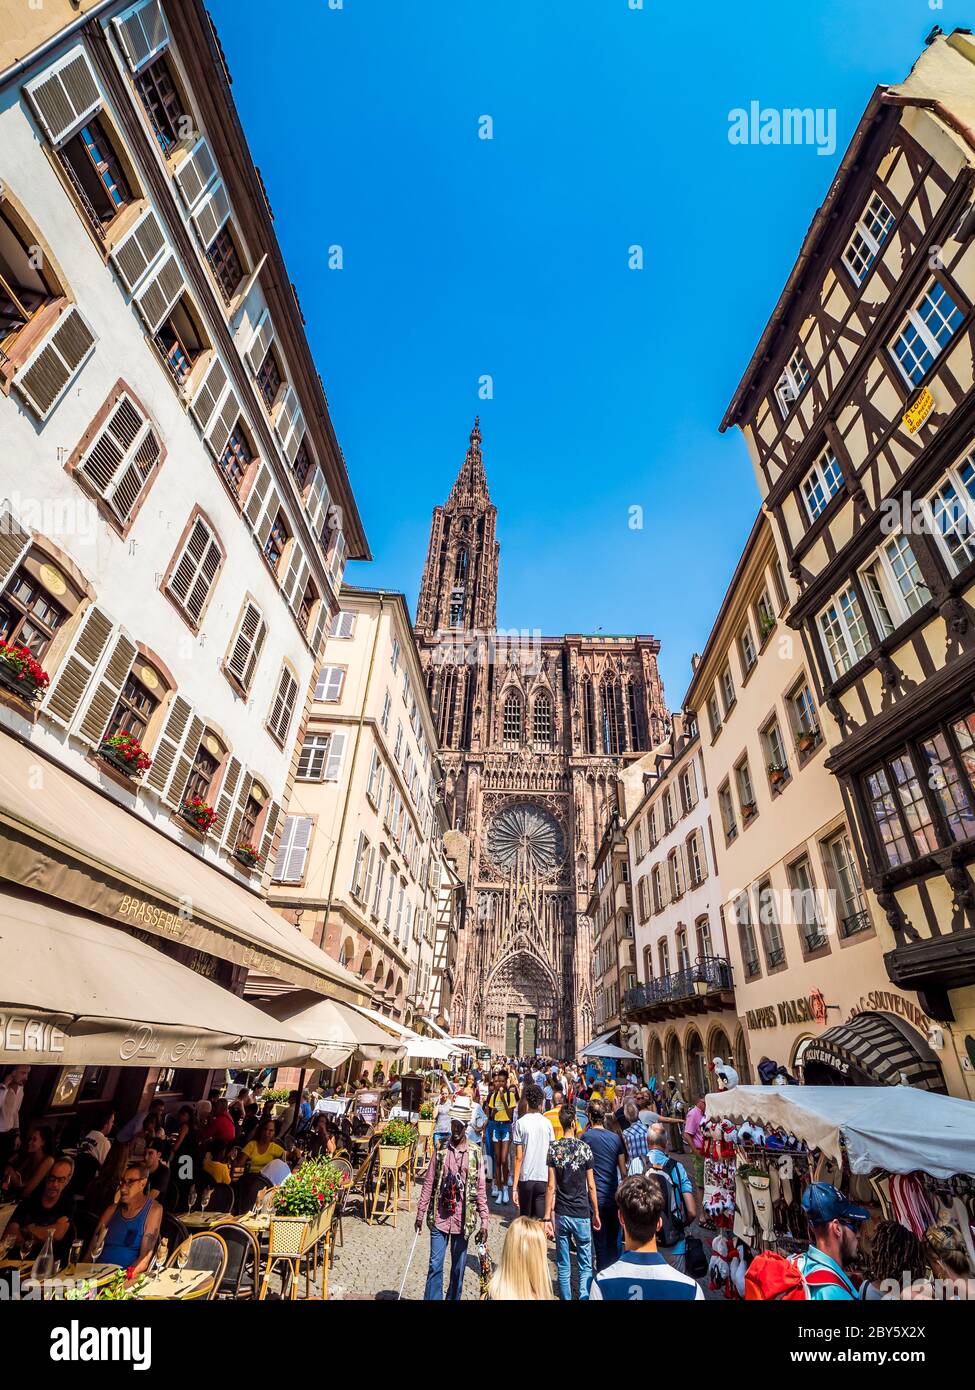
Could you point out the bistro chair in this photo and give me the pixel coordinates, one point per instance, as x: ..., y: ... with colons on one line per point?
x: 221, y: 1201
x: 344, y: 1165
x: 249, y: 1189
x: 240, y: 1279
x: 207, y: 1251
x: 173, y: 1230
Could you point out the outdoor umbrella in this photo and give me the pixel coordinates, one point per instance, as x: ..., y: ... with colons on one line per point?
x: 336, y: 1029
x: 604, y: 1049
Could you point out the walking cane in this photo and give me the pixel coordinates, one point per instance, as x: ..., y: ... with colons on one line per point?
x: 409, y: 1261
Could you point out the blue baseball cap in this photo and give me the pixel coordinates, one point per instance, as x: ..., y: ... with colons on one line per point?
x: 822, y: 1203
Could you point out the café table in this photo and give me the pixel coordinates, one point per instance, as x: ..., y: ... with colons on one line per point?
x: 182, y: 1285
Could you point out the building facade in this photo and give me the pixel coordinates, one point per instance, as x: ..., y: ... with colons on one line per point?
x: 801, y: 929
x: 682, y: 1006
x: 176, y: 509
x: 859, y: 415
x: 610, y: 909
x: 533, y: 733
x: 361, y: 863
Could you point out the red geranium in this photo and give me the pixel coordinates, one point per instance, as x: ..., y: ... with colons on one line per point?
x: 197, y: 810
x: 128, y: 748
x: 249, y: 853
x: 22, y: 665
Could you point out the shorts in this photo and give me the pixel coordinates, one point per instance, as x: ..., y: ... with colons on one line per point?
x: 499, y: 1132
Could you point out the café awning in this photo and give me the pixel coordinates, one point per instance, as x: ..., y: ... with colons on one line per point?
x: 336, y: 1029
x: 74, y: 991
x: 62, y: 838
x: 452, y: 1043
x: 416, y: 1046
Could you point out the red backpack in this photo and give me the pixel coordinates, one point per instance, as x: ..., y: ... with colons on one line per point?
x: 773, y: 1277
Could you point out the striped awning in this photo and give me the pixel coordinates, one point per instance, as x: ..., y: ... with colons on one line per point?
x: 872, y: 1049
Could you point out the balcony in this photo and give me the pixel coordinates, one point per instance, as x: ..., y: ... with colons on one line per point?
x: 858, y: 922
x: 703, y: 987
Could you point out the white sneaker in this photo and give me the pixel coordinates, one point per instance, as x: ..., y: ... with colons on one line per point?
x: 495, y: 1194
x: 506, y: 1198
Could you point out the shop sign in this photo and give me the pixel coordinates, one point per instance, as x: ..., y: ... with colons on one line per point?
x: 885, y: 1001
x: 815, y: 1052
x: 160, y: 919
x: 29, y: 1035
x: 808, y: 1010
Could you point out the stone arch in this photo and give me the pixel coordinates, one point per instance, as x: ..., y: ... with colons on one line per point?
x: 522, y: 998
x: 673, y: 1059
x: 347, y: 953
x: 742, y: 1066
x: 695, y: 1063
x: 655, y: 1059
x: 719, y: 1045
x: 366, y: 965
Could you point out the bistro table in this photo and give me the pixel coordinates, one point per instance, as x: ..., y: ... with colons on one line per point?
x: 183, y: 1285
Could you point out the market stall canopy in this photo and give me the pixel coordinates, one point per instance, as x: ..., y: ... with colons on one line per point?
x: 608, y: 1050
x: 74, y: 991
x: 64, y: 839
x: 336, y: 1030
x: 898, y: 1128
x: 416, y: 1047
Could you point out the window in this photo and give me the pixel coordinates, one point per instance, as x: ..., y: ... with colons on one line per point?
x: 728, y: 689
x: 180, y: 340
x: 673, y: 869
x: 328, y: 687
x: 321, y: 756
x: 236, y: 458
x: 658, y: 895
x: 746, y: 793
x: 643, y: 899
x: 901, y: 818
x: 683, y: 951
x: 765, y: 614
x: 277, y: 539
x: 398, y: 744
x: 802, y: 715
x: 769, y: 927
x: 246, y: 648
x: 663, y: 951
x: 24, y: 286
x: 804, y: 906
x: 387, y: 709
x: 947, y: 784
x: 377, y: 896
x: 639, y: 848
x: 705, y: 949
x: 695, y: 858
x: 225, y: 263
x: 29, y: 617
x: 377, y: 776
x: 727, y: 808
x: 361, y: 873
x: 668, y: 812
x: 269, y: 379
x: 893, y: 585
x: 511, y: 726
x: 93, y: 168
x: 851, y: 906
x: 194, y: 572
x: 792, y: 381
x: 652, y: 827
x: 136, y: 706
x: 869, y: 235
x: 163, y: 103
x: 283, y: 707
x: 844, y: 632
x: 394, y: 655
x: 343, y: 625
x: 542, y: 719
x: 714, y: 713
x: 950, y: 513
x: 822, y: 482
x: 746, y: 644
x: 746, y: 937
x: 289, y: 866
x: 928, y: 329
x: 202, y: 772
x: 778, y: 763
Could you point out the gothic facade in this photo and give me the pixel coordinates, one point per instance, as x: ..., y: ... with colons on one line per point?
x: 533, y: 732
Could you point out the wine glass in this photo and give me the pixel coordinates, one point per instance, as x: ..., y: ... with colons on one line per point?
x: 207, y: 1198
x: 192, y: 1198
x: 74, y: 1256
x: 27, y: 1245
x: 98, y: 1244
x: 181, y: 1259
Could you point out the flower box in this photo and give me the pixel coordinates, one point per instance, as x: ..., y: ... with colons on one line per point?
x: 776, y: 775
x: 248, y: 856
x: 21, y: 674
x: 808, y: 740
x: 198, y: 814
x: 748, y: 811
x: 424, y: 1128
x: 124, y: 752
x: 391, y: 1156
x: 295, y: 1235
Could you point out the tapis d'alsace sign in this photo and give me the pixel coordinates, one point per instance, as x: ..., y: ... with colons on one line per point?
x: 811, y: 1010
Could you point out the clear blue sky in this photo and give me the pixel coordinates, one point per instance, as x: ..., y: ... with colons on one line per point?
x: 465, y: 257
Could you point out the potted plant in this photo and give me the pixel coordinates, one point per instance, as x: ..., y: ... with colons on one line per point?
x: 20, y: 673
x: 425, y: 1124
x: 748, y: 810
x: 807, y: 739
x: 277, y: 1099
x: 301, y: 1209
x: 248, y: 855
x: 124, y: 751
x: 777, y: 773
x: 395, y: 1142
x: 765, y: 624
x: 199, y: 814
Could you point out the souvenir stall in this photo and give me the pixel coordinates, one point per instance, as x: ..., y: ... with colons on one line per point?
x: 906, y: 1154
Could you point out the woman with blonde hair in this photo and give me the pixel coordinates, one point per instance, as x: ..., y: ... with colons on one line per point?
x: 523, y: 1274
x: 949, y: 1260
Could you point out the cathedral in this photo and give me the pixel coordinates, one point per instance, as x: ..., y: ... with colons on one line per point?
x: 533, y: 732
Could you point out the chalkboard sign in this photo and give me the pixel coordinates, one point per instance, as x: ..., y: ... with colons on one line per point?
x: 411, y: 1095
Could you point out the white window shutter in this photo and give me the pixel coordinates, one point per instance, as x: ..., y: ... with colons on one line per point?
x: 261, y: 341
x: 317, y: 634
x: 195, y: 174
x: 121, y: 458
x: 257, y: 497
x: 142, y: 33
x: 289, y: 866
x: 336, y: 566
x: 210, y: 394
x: 318, y: 501
x: 230, y: 825
x: 271, y: 509
x: 160, y: 292
x: 14, y: 545
x: 294, y: 441
x: 212, y: 213
x: 100, y: 707
x: 70, y: 685
x: 184, y: 763
x: 49, y: 370
x: 247, y: 645
x: 328, y: 687
x: 65, y: 94
x: 195, y: 572
x: 286, y: 413
x: 136, y: 252
x: 272, y: 818
x: 232, y: 779
x: 333, y: 763
x: 224, y: 423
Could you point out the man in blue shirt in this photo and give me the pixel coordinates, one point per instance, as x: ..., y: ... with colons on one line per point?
x: 679, y: 1190
x: 641, y: 1272
x: 608, y: 1170
x: 835, y: 1225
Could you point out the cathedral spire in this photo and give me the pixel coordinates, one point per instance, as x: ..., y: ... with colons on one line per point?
x: 471, y: 485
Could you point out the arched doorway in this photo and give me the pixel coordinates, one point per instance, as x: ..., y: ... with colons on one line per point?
x: 655, y: 1060
x: 674, y: 1061
x: 741, y: 1059
x: 697, y: 1074
x: 522, y: 1014
x: 719, y: 1045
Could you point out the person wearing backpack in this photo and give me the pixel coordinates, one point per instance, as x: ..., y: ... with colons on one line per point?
x: 679, y: 1204
x: 820, y: 1275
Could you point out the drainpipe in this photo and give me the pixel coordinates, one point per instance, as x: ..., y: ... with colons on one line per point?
x: 66, y: 33
x: 355, y: 754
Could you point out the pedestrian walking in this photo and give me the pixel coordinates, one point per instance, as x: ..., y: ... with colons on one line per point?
x: 641, y: 1273
x: 609, y: 1169
x: 680, y: 1207
x: 532, y: 1135
x: 454, y: 1203
x: 571, y: 1206
x: 522, y: 1275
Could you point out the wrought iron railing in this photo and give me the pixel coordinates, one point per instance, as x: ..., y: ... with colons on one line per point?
x: 857, y: 922
x: 709, y: 974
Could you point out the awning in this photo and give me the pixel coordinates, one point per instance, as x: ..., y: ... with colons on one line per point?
x: 416, y: 1047
x: 75, y: 991
x: 336, y: 1030
x: 64, y: 839
x: 872, y: 1049
x: 608, y: 1050
x: 896, y: 1128
x: 596, y: 1042
x: 445, y: 1037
